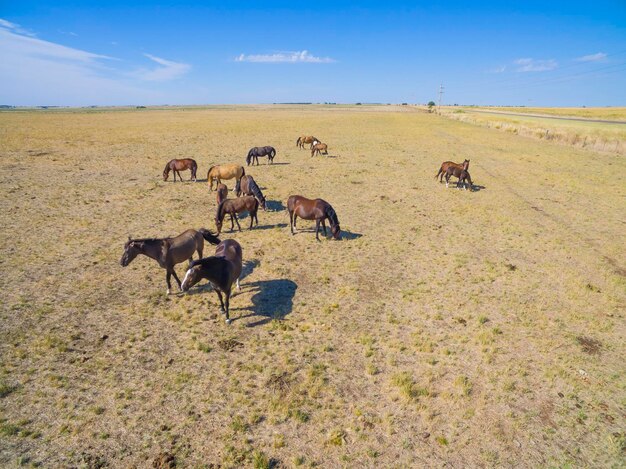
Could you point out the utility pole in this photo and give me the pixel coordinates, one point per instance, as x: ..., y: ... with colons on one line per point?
x: 440, y: 94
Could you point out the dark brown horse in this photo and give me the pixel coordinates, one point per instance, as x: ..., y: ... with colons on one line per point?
x: 462, y: 174
x: 222, y: 270
x: 319, y: 148
x: 318, y: 210
x: 168, y: 251
x: 446, y: 164
x: 222, y: 193
x: 306, y: 139
x: 180, y: 165
x: 248, y: 186
x: 254, y: 153
x: 233, y: 207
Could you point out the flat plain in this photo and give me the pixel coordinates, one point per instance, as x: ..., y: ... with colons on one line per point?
x: 448, y: 327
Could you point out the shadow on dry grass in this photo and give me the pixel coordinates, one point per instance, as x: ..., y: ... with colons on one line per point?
x: 273, y: 299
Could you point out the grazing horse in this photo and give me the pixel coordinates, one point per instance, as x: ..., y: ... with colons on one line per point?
x: 255, y: 152
x: 318, y: 210
x: 222, y: 193
x: 224, y: 171
x: 248, y: 186
x: 446, y: 164
x: 319, y: 148
x: 222, y: 270
x: 233, y: 207
x: 306, y: 139
x: 462, y: 174
x: 168, y: 251
x: 180, y: 165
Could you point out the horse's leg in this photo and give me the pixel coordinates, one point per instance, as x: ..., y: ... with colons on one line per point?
x: 238, y: 287
x: 227, y: 294
x: 317, y: 230
x: 324, y: 226
x: 232, y: 224
x: 168, y: 275
x: 219, y: 295
x: 180, y: 287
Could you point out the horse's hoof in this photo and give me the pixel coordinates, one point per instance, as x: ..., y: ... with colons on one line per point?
x: 228, y: 321
x: 168, y: 292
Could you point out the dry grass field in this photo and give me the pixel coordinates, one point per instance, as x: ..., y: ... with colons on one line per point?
x: 448, y: 328
x: 543, y: 124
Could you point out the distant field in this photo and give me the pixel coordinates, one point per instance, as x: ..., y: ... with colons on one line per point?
x: 596, y: 136
x: 467, y: 329
x: 608, y: 113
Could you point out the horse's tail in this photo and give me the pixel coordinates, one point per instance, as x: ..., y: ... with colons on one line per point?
x: 298, y: 141
x: 210, y: 237
x: 208, y: 174
x: 238, y: 186
x: 243, y: 172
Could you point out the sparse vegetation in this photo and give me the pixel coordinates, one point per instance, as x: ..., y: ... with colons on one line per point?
x: 443, y: 319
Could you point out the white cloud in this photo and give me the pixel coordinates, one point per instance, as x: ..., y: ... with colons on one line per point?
x: 168, y: 70
x: 599, y: 57
x: 532, y: 65
x: 284, y: 57
x: 38, y: 72
x: 497, y: 69
x: 15, y: 28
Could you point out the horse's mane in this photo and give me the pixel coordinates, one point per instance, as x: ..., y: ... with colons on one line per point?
x: 332, y: 215
x: 205, y: 261
x: 256, y: 190
x: 219, y: 215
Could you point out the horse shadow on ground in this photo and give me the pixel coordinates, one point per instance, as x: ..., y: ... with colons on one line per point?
x: 202, y: 180
x: 346, y: 235
x: 275, y: 205
x: 272, y: 299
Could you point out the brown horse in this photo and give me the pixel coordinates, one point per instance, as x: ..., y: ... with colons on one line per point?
x: 248, y: 186
x: 446, y: 164
x: 306, y: 139
x: 168, y: 251
x: 319, y: 148
x: 180, y: 165
x: 224, y: 171
x: 222, y: 270
x: 233, y: 207
x: 462, y: 174
x: 318, y: 210
x: 222, y: 193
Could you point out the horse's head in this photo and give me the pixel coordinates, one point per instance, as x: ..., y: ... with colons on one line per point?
x: 218, y: 224
x: 131, y: 250
x: 336, y: 231
x: 466, y: 164
x: 192, y: 276
x: 263, y: 204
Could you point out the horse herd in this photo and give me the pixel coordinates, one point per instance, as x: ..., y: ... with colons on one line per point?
x: 224, y: 268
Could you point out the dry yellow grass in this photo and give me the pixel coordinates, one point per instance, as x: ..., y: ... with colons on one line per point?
x: 607, y: 137
x: 477, y: 329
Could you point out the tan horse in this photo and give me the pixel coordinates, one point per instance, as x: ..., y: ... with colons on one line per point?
x: 306, y: 139
x: 319, y: 148
x: 224, y: 171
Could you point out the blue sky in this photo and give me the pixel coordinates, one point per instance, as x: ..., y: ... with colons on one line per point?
x: 558, y: 53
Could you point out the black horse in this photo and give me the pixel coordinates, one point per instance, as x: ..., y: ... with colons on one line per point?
x: 255, y: 152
